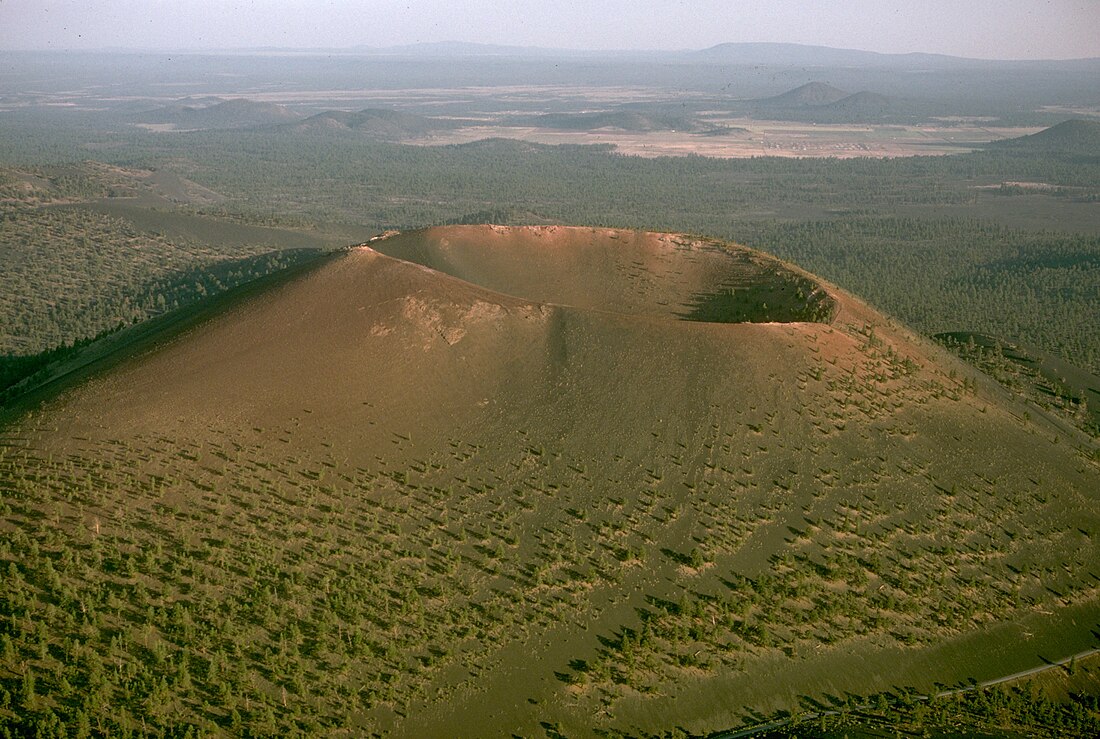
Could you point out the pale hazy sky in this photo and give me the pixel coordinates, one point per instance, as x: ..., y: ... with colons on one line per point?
x: 1003, y: 29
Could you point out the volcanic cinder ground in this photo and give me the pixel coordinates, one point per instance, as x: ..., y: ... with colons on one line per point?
x: 483, y: 480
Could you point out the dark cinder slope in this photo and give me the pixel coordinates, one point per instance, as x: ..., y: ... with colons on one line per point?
x: 475, y: 481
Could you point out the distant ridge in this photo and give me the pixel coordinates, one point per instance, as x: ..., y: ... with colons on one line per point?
x: 725, y: 53
x: 733, y: 53
x: 738, y: 53
x: 805, y: 54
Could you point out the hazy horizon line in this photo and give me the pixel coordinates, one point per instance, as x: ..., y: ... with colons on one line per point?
x: 502, y: 48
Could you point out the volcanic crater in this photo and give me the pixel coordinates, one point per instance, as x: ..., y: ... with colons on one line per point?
x: 483, y: 480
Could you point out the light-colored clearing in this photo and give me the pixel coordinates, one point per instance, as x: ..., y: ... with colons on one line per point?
x: 760, y: 138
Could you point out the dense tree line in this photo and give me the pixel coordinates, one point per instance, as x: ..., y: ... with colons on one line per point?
x: 1003, y: 710
x: 1040, y: 289
x: 73, y: 273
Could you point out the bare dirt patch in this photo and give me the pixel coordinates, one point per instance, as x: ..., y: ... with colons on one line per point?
x: 754, y: 138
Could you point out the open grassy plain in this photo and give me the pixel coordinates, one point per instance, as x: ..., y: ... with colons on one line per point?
x: 737, y: 138
x: 466, y: 115
x: 480, y: 480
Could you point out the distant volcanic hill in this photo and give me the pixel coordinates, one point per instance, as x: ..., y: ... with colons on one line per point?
x: 236, y: 113
x: 862, y: 105
x: 1074, y: 136
x: 377, y: 122
x: 479, y: 480
x: 817, y: 101
x: 812, y: 93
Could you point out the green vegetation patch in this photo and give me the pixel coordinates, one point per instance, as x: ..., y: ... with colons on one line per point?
x: 779, y: 296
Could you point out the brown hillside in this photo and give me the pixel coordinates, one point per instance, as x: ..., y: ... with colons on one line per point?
x: 499, y: 485
x: 628, y: 272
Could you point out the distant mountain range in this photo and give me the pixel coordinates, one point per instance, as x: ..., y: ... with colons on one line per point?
x: 767, y: 53
x: 776, y: 53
